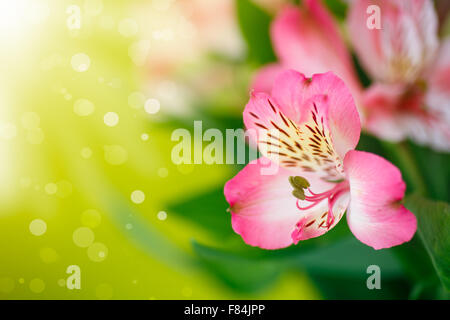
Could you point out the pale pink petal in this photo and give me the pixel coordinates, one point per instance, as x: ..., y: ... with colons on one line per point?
x: 375, y: 215
x: 386, y: 126
x: 422, y: 128
x: 264, y: 211
x: 381, y: 103
x: 438, y: 93
x: 395, y: 113
x: 405, y: 43
x: 427, y: 129
x: 265, y: 77
x: 306, y: 39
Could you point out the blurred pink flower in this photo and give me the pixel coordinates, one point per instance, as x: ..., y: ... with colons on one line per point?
x: 309, y: 128
x: 307, y: 39
x: 411, y: 93
x: 411, y: 69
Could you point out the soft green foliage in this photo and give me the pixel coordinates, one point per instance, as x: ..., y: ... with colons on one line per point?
x: 239, y: 272
x: 434, y: 229
x: 254, y: 23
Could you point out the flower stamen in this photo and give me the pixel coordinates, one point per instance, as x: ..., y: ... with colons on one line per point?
x: 331, y: 195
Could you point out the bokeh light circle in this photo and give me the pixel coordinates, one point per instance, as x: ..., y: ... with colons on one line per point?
x: 80, y: 62
x: 51, y: 188
x: 91, y: 218
x: 83, y: 107
x: 83, y: 237
x: 111, y: 119
x: 137, y: 196
x: 152, y: 106
x: 37, y: 285
x: 162, y: 215
x: 86, y: 153
x: 38, y: 227
x: 97, y: 252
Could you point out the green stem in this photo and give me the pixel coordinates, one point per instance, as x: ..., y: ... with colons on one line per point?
x: 408, y: 164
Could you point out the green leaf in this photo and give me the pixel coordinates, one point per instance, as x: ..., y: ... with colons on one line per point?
x: 208, y: 210
x: 415, y: 261
x: 434, y: 229
x: 238, y: 272
x: 435, y: 170
x: 334, y: 287
x: 349, y: 258
x: 254, y: 23
x: 339, y: 269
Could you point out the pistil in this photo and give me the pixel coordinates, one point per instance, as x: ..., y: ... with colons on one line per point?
x: 331, y: 195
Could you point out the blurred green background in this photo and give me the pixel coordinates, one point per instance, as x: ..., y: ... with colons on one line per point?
x: 86, y: 117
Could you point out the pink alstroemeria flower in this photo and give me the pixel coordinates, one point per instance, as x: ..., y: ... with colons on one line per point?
x: 310, y: 127
x: 411, y: 95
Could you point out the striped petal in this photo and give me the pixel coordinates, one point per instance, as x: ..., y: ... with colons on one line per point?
x: 306, y: 145
x: 306, y: 123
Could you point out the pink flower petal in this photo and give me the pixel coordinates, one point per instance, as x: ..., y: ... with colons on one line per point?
x: 375, y: 215
x: 405, y: 43
x: 307, y: 40
x: 264, y: 211
x: 344, y: 121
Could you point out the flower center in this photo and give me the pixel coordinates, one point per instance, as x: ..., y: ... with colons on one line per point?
x: 301, y: 185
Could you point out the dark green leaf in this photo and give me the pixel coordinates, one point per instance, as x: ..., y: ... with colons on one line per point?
x: 350, y: 288
x: 339, y: 269
x: 434, y: 229
x: 349, y: 258
x: 435, y: 170
x: 370, y: 144
x: 415, y: 261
